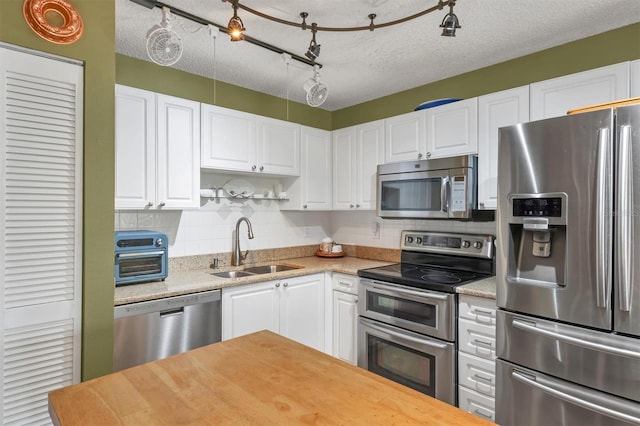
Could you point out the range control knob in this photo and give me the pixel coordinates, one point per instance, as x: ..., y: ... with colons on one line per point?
x: 477, y: 245
x: 159, y: 242
x: 419, y: 240
x: 466, y: 244
x: 409, y: 239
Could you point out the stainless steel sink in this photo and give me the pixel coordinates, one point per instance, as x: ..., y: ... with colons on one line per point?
x: 231, y: 274
x: 269, y: 269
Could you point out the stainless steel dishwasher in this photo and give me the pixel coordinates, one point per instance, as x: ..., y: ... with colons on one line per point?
x: 147, y: 331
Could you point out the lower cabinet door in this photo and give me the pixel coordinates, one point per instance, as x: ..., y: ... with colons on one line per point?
x: 250, y: 308
x: 302, y: 316
x: 477, y: 374
x: 475, y: 403
x: 345, y: 323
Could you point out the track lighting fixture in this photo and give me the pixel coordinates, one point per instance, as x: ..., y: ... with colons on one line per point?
x: 314, y: 48
x: 236, y: 27
x: 450, y: 22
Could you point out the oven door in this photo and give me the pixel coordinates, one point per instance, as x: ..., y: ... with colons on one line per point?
x: 419, y: 362
x: 423, y: 311
x: 139, y: 266
x: 414, y: 195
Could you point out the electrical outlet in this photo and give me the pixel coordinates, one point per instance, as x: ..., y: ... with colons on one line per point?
x: 375, y: 228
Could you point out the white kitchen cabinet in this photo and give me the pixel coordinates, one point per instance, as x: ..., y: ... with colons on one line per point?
x: 345, y: 317
x: 496, y: 110
x: 157, y: 151
x: 41, y: 175
x: 357, y: 151
x: 312, y: 190
x: 242, y: 142
x: 405, y: 137
x: 634, y: 79
x: 452, y: 129
x: 292, y: 307
x: 476, y: 355
x: 554, y: 97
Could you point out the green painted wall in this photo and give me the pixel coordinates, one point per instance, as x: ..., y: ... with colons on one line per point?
x: 149, y: 76
x: 96, y: 48
x: 603, y: 49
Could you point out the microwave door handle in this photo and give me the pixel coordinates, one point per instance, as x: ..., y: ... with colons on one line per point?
x: 564, y: 392
x: 624, y: 219
x: 140, y: 254
x: 444, y: 194
x: 603, y: 207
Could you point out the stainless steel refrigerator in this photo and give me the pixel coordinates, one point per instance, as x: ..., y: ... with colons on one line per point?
x: 568, y: 270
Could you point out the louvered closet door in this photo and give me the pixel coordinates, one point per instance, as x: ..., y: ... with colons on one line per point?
x: 40, y: 231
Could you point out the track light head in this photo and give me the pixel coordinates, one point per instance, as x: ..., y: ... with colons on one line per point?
x: 450, y: 23
x: 235, y: 28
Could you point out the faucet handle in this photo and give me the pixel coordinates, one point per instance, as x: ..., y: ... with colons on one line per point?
x: 244, y: 256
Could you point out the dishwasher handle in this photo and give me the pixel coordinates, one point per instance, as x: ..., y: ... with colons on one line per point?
x: 172, y: 312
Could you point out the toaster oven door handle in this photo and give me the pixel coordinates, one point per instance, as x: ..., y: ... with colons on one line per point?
x: 140, y: 254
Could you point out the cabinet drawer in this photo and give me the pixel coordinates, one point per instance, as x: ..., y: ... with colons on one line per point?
x: 475, y: 403
x: 476, y: 373
x: 477, y: 339
x: 345, y: 283
x: 478, y: 309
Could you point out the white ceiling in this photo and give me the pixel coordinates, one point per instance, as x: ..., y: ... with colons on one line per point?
x: 360, y: 66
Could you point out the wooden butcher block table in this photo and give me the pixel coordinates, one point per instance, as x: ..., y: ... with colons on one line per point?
x: 261, y: 378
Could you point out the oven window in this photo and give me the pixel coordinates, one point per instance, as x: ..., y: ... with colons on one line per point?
x: 401, y: 364
x: 140, y: 266
x: 411, y: 195
x: 398, y: 307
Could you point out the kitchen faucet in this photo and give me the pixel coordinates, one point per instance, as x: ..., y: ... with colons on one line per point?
x: 238, y: 257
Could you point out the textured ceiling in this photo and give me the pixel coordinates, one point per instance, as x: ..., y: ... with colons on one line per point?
x: 360, y: 66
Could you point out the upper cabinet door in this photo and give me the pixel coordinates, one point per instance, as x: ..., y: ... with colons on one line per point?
x: 369, y: 153
x: 316, y: 171
x: 496, y: 110
x: 452, y: 129
x: 344, y: 141
x: 178, y: 152
x: 278, y: 147
x: 634, y: 90
x: 135, y: 175
x: 405, y: 137
x: 228, y: 139
x: 553, y: 98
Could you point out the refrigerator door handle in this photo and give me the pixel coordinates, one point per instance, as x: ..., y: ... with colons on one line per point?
x: 603, y: 207
x: 562, y: 391
x: 624, y: 219
x: 535, y: 328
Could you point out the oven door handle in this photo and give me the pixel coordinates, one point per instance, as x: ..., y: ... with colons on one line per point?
x: 562, y: 391
x: 423, y: 294
x: 140, y: 254
x: 392, y: 332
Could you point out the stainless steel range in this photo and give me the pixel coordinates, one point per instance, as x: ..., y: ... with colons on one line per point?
x: 408, y: 311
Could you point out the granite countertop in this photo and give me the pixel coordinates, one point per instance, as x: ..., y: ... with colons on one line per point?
x: 482, y: 288
x: 198, y: 280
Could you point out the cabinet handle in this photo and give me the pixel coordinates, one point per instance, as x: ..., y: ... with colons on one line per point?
x: 253, y: 168
x: 149, y: 204
x: 285, y: 285
x: 482, y: 204
x: 261, y: 168
x: 304, y: 207
x: 351, y: 206
x: 357, y: 206
x: 428, y: 154
x: 483, y: 343
x: 277, y: 284
x: 419, y: 156
x: 162, y: 204
x: 482, y: 379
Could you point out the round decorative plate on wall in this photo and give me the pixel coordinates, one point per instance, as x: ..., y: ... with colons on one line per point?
x: 38, y: 14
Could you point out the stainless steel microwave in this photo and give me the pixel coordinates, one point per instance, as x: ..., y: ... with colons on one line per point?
x: 443, y: 188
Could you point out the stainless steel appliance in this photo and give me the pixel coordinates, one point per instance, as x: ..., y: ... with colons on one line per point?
x: 568, y: 241
x: 152, y: 330
x: 408, y: 311
x: 140, y: 256
x: 444, y: 188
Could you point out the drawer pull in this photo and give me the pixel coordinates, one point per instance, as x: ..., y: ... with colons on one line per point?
x: 488, y: 380
x: 481, y: 414
x: 483, y: 312
x: 483, y: 343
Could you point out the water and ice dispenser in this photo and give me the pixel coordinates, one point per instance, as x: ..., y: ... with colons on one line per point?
x: 538, y: 239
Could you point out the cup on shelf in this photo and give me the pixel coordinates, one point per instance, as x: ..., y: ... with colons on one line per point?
x: 282, y: 195
x: 269, y: 194
x: 337, y: 248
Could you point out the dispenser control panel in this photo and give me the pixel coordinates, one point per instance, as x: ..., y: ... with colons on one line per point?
x: 541, y: 207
